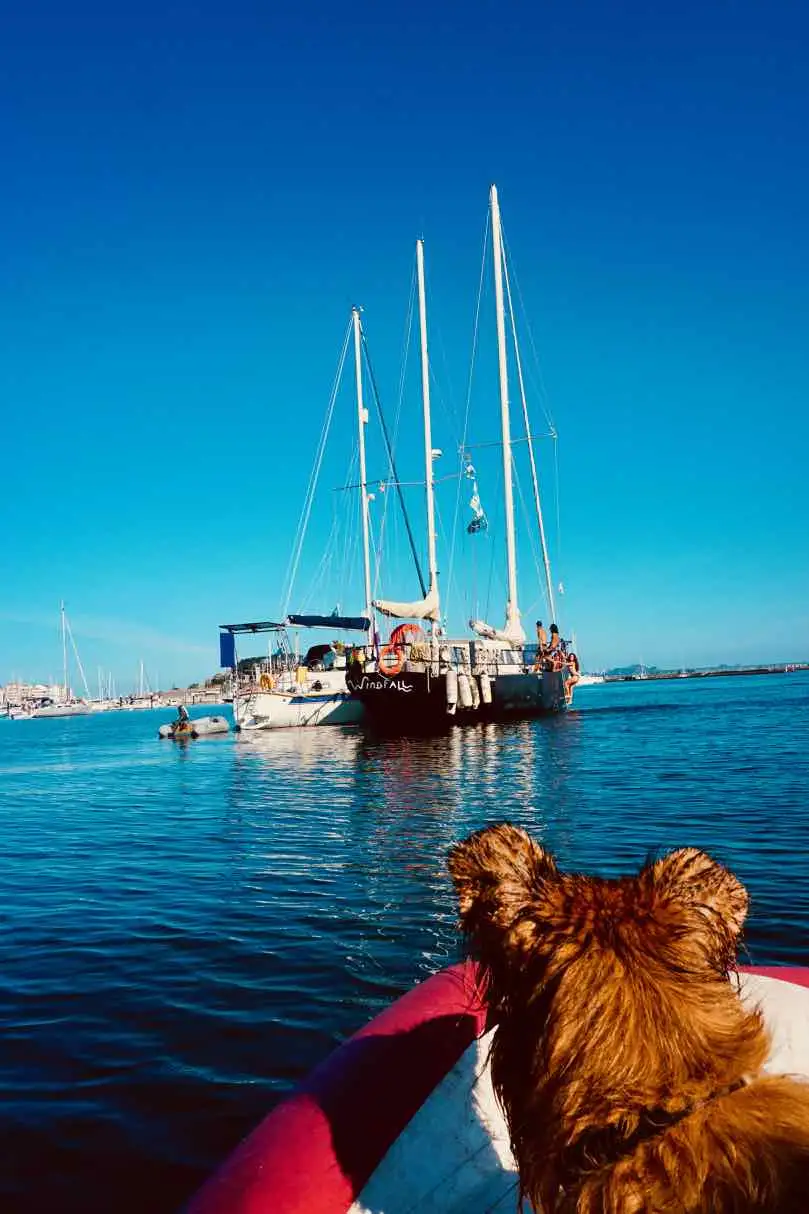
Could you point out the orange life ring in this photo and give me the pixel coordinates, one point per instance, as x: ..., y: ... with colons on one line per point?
x: 402, y: 634
x: 267, y: 682
x: 391, y: 661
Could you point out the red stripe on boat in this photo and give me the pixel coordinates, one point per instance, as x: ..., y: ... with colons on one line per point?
x: 786, y: 973
x: 314, y: 1153
x: 316, y: 1150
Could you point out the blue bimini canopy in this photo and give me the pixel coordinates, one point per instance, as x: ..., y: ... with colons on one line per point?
x: 227, y: 638
x: 227, y: 650
x: 351, y: 623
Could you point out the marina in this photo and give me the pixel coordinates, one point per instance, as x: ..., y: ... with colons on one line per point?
x: 173, y: 994
x: 404, y: 646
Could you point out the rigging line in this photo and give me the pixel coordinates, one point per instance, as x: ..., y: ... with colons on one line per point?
x: 543, y: 391
x: 78, y: 660
x: 351, y: 573
x: 532, y: 461
x: 389, y: 450
x: 374, y: 549
x: 408, y: 332
x: 303, y: 521
x: 324, y: 574
x: 438, y: 480
x: 514, y: 442
x: 475, y: 329
x: 486, y: 614
x: 535, y: 556
x: 323, y: 567
x: 558, y: 508
x: 446, y: 402
x: 351, y: 527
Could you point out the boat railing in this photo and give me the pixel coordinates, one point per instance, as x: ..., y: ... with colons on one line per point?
x: 470, y: 657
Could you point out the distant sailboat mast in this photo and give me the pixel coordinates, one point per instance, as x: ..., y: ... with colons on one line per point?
x: 64, y: 648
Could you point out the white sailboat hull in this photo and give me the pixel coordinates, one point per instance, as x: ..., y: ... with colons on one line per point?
x: 324, y: 701
x: 62, y: 710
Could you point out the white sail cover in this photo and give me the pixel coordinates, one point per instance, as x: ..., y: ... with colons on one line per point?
x: 512, y: 634
x: 422, y: 609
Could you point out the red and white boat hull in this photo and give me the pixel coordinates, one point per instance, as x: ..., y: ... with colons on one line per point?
x: 402, y: 1117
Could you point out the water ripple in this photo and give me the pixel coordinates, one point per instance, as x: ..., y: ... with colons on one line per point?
x: 185, y: 932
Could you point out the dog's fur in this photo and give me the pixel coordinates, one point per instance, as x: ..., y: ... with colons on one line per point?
x: 627, y: 1066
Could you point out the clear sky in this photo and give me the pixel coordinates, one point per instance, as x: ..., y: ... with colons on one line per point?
x: 194, y: 195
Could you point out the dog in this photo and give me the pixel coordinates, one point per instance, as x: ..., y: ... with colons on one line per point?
x: 627, y: 1066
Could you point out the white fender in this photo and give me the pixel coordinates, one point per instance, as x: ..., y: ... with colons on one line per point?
x: 464, y: 690
x: 485, y: 688
x: 452, y: 691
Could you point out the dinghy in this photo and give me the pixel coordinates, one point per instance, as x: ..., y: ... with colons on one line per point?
x: 195, y: 727
x: 402, y: 1116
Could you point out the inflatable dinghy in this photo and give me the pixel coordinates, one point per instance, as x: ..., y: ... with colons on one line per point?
x: 402, y: 1116
x: 197, y: 727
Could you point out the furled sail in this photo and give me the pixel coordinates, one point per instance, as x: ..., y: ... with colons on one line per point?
x: 422, y: 609
x: 512, y: 634
x: 354, y: 623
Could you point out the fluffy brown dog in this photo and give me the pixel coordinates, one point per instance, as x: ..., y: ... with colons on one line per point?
x: 627, y: 1066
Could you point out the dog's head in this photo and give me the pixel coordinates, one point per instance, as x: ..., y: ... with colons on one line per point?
x: 609, y: 996
x: 522, y: 915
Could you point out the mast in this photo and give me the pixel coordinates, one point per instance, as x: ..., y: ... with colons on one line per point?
x: 512, y: 609
x: 428, y: 436
x: 64, y: 648
x: 362, y: 417
x: 546, y: 560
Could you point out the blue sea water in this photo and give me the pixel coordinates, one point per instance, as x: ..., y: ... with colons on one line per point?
x: 185, y: 931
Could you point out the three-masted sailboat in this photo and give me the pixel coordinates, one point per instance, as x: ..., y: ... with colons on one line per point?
x: 421, y: 679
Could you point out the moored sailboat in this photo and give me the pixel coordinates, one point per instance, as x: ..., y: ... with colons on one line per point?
x: 66, y: 704
x: 423, y: 679
x: 284, y: 692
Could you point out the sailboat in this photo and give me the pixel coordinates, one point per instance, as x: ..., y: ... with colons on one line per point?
x: 421, y: 679
x: 67, y: 705
x: 289, y: 693
x: 143, y: 698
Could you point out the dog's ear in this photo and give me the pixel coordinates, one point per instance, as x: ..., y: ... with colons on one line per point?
x: 695, y: 879
x: 498, y: 873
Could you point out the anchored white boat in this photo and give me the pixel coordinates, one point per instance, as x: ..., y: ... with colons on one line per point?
x: 424, y: 679
x: 287, y: 693
x: 282, y: 692
x: 67, y: 705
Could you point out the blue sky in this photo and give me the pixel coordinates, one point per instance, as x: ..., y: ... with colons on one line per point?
x: 195, y: 196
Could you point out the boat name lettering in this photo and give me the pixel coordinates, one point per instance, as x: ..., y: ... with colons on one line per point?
x: 367, y: 683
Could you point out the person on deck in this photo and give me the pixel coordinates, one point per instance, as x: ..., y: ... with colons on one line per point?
x: 573, y: 675
x: 542, y: 645
x: 553, y: 654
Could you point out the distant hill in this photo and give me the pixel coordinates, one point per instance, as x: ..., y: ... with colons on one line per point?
x: 636, y: 669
